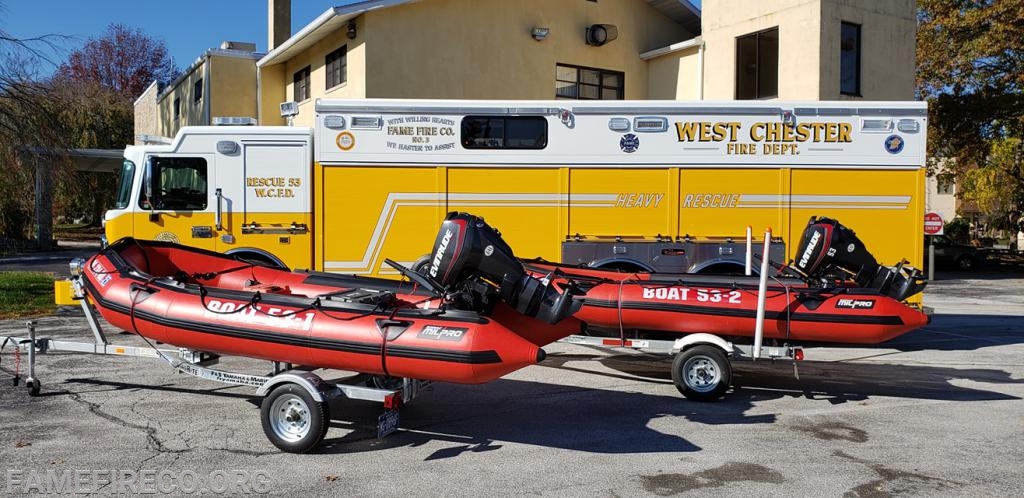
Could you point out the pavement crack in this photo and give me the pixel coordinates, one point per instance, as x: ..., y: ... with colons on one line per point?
x: 152, y: 440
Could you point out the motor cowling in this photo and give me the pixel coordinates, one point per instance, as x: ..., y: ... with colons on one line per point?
x: 827, y: 245
x: 467, y: 248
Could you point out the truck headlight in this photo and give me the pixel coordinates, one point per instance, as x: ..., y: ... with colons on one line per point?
x: 77, y: 266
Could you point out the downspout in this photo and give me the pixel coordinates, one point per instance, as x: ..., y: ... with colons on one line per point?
x: 700, y: 70
x: 207, y: 120
x: 259, y: 93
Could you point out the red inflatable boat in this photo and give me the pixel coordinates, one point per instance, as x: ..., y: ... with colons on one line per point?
x: 459, y: 328
x: 840, y: 296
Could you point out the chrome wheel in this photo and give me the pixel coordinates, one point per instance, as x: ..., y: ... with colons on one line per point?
x: 701, y: 374
x: 290, y: 418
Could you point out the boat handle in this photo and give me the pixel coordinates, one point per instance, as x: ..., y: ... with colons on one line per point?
x: 217, y: 216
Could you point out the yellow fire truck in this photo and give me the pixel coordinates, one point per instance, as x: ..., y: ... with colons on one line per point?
x: 653, y: 185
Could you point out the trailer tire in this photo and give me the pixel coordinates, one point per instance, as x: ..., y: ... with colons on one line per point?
x: 701, y: 373
x: 33, y: 386
x: 292, y: 420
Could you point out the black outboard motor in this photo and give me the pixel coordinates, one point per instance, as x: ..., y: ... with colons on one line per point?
x: 826, y: 245
x: 467, y: 247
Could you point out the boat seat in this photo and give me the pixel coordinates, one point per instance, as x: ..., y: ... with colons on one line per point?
x: 364, y: 296
x: 254, y: 286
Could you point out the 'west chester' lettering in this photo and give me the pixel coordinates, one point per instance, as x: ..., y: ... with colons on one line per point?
x: 696, y: 131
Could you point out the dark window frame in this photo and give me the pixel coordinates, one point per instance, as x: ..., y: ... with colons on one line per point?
x: 501, y: 143
x: 177, y: 108
x: 178, y: 194
x: 757, y: 36
x: 858, y: 52
x: 601, y: 86
x: 336, y: 59
x: 197, y: 91
x: 300, y: 85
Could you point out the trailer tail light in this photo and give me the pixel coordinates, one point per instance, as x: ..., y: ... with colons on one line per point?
x: 393, y: 401
x: 673, y: 252
x: 798, y: 354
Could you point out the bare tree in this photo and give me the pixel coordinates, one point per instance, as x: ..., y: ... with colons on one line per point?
x: 123, y: 59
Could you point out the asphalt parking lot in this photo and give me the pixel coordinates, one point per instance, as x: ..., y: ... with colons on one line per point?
x: 937, y: 412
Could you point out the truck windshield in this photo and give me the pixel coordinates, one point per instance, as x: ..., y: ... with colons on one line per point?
x: 124, y: 185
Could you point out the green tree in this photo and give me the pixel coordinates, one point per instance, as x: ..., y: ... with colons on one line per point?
x: 970, y: 68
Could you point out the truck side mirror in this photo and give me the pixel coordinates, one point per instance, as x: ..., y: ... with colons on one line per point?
x: 149, y: 188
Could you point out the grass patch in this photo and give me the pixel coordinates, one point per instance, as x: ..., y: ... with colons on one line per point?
x: 25, y: 294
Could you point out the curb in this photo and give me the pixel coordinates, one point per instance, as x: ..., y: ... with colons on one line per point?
x: 45, y: 257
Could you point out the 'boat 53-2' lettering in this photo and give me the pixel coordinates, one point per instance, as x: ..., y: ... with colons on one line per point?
x: 687, y: 294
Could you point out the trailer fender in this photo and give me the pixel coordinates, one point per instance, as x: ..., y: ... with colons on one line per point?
x: 307, y: 380
x: 690, y: 340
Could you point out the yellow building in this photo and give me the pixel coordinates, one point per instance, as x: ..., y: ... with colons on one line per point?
x: 470, y: 49
x: 221, y: 82
x: 544, y: 49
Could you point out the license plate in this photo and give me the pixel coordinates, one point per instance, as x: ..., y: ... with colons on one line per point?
x: 387, y: 423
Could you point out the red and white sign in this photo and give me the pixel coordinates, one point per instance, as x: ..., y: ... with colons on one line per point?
x: 932, y: 224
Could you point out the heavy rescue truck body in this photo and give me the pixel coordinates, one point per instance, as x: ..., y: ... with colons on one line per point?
x: 644, y: 185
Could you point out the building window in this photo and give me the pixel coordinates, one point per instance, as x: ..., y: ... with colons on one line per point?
x: 197, y: 91
x: 849, y: 59
x: 945, y: 184
x: 177, y: 108
x: 757, y: 65
x: 337, y: 67
x: 586, y: 83
x: 514, y: 132
x: 300, y: 89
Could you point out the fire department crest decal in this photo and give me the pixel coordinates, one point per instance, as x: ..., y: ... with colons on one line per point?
x: 629, y: 143
x: 894, y: 144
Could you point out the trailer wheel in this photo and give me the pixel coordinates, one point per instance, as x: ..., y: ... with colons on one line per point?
x: 293, y: 420
x: 33, y: 386
x: 701, y: 373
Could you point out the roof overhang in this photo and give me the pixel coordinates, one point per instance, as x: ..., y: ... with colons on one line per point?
x: 91, y: 160
x: 680, y: 11
x: 327, y: 23
x: 675, y: 47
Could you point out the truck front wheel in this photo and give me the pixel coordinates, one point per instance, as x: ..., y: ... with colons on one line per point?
x: 702, y: 373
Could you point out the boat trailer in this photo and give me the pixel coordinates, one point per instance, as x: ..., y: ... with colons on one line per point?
x: 295, y: 411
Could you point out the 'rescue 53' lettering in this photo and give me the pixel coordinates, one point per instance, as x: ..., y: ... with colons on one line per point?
x: 275, y: 186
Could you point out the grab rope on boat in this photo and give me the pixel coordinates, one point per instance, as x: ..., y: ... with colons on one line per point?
x: 135, y: 328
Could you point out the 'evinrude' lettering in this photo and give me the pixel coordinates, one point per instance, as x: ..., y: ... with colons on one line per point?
x: 810, y: 249
x: 436, y: 265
